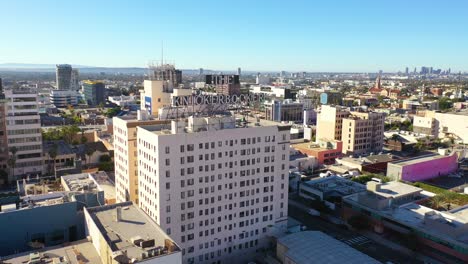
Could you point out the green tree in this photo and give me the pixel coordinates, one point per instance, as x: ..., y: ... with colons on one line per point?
x: 113, y: 112
x: 105, y: 158
x: 445, y: 103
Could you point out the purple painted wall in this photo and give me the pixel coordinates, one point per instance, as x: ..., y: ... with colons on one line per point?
x: 430, y: 169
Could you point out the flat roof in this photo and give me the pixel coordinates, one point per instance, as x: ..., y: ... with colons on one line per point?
x: 134, y: 224
x: 337, y: 184
x: 416, y: 160
x: 321, y: 248
x: 77, y: 252
x: 165, y: 128
x: 395, y: 189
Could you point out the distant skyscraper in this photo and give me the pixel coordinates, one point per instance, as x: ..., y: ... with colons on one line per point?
x: 415, y: 70
x: 63, y: 76
x: 407, y: 71
x: 239, y: 71
x: 94, y: 92
x: 380, y: 72
x: 166, y: 72
x: 1, y: 86
x: 449, y: 71
x: 75, y: 80
x: 378, y: 83
x: 200, y: 71
x: 224, y: 84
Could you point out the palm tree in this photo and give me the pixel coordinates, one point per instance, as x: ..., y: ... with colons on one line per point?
x: 89, y: 152
x: 436, y: 201
x: 53, y: 152
x: 12, y: 159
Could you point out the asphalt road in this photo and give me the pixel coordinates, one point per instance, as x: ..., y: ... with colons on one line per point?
x: 353, y: 239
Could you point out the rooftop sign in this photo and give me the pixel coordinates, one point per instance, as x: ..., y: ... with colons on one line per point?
x: 216, y: 99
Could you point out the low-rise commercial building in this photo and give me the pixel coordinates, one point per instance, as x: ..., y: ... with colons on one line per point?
x: 393, y: 209
x: 333, y: 188
x: 316, y: 247
x: 371, y: 163
x: 64, y: 98
x: 70, y: 253
x: 122, y: 233
x: 326, y: 151
x: 423, y: 168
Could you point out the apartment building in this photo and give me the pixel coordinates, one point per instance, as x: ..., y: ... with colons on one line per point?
x: 126, y: 155
x: 363, y: 133
x: 216, y: 185
x: 330, y: 122
x: 23, y: 127
x: 425, y: 125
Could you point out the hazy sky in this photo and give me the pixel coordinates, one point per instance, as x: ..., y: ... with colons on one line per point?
x: 347, y: 35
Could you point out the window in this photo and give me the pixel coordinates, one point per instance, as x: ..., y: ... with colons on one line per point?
x: 168, y: 174
x: 182, y: 148
x: 168, y: 185
x: 167, y: 150
x: 190, y: 147
x: 168, y: 162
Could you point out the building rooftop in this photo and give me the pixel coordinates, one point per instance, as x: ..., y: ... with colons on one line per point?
x: 77, y: 252
x: 369, y: 159
x: 394, y: 189
x: 90, y: 182
x: 315, y: 245
x: 336, y: 184
x: 416, y: 160
x: 211, y: 123
x: 133, y: 232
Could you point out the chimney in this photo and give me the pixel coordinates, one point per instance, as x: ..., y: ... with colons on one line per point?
x: 118, y: 214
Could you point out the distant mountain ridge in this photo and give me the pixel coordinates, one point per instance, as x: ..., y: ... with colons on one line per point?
x: 31, y: 67
x: 35, y: 66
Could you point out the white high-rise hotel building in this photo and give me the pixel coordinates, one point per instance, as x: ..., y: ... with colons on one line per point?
x: 217, y: 186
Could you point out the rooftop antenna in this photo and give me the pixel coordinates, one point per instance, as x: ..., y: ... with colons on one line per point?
x: 162, y: 52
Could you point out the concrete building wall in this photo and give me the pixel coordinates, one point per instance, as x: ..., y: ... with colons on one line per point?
x: 52, y: 223
x: 155, y: 95
x: 125, y: 157
x: 452, y: 123
x: 425, y: 125
x: 423, y: 170
x: 330, y: 122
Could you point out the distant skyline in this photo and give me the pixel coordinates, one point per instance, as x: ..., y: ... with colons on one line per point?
x: 295, y: 35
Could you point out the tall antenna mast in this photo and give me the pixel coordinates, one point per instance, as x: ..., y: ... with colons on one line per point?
x: 162, y: 53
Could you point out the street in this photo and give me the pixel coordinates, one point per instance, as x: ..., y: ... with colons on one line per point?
x: 353, y: 239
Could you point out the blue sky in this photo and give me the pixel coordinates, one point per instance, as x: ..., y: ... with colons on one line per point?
x: 292, y: 35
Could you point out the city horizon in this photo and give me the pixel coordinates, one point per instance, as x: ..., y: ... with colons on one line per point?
x: 11, y: 66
